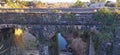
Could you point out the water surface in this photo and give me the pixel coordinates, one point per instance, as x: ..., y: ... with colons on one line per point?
x: 61, y: 42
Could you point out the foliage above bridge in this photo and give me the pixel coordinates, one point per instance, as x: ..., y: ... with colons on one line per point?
x: 106, y: 16
x: 78, y: 3
x: 15, y: 3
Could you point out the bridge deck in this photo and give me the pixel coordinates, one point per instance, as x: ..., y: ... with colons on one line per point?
x: 58, y: 10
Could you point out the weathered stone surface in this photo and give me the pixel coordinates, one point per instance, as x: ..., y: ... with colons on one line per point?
x: 46, y: 18
x: 44, y: 26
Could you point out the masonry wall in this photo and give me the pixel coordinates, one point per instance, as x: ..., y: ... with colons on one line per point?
x: 46, y: 18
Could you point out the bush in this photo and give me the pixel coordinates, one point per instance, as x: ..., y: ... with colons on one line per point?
x: 78, y: 3
x: 116, y: 14
x: 100, y: 41
x: 104, y: 16
x: 109, y: 20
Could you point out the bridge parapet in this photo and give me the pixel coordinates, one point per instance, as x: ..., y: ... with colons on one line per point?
x: 39, y: 10
x: 46, y: 18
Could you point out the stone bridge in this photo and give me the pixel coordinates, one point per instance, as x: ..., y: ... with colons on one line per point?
x: 72, y: 16
x: 46, y: 23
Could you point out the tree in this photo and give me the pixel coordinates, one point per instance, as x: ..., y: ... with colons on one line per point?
x: 15, y: 3
x: 78, y: 3
x: 39, y: 4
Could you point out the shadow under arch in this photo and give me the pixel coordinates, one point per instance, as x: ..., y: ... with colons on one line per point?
x: 9, y: 42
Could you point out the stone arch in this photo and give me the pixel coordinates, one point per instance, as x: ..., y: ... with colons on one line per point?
x: 75, y: 42
x: 25, y: 38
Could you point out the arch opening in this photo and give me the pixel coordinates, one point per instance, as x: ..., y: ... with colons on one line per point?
x: 16, y: 41
x: 58, y: 45
x: 62, y: 43
x: 71, y: 42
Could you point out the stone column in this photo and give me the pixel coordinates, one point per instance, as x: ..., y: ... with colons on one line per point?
x: 6, y: 37
x: 91, y: 47
x: 43, y: 48
x: 53, y: 49
x: 39, y: 33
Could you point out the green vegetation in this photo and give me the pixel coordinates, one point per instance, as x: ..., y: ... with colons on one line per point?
x: 104, y: 16
x: 55, y: 11
x: 78, y: 3
x: 15, y: 3
x: 39, y: 4
x: 85, y: 35
x: 109, y: 21
x: 107, y: 18
x: 100, y: 43
x: 71, y: 17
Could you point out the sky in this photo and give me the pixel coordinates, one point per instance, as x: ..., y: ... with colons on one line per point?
x: 52, y: 1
